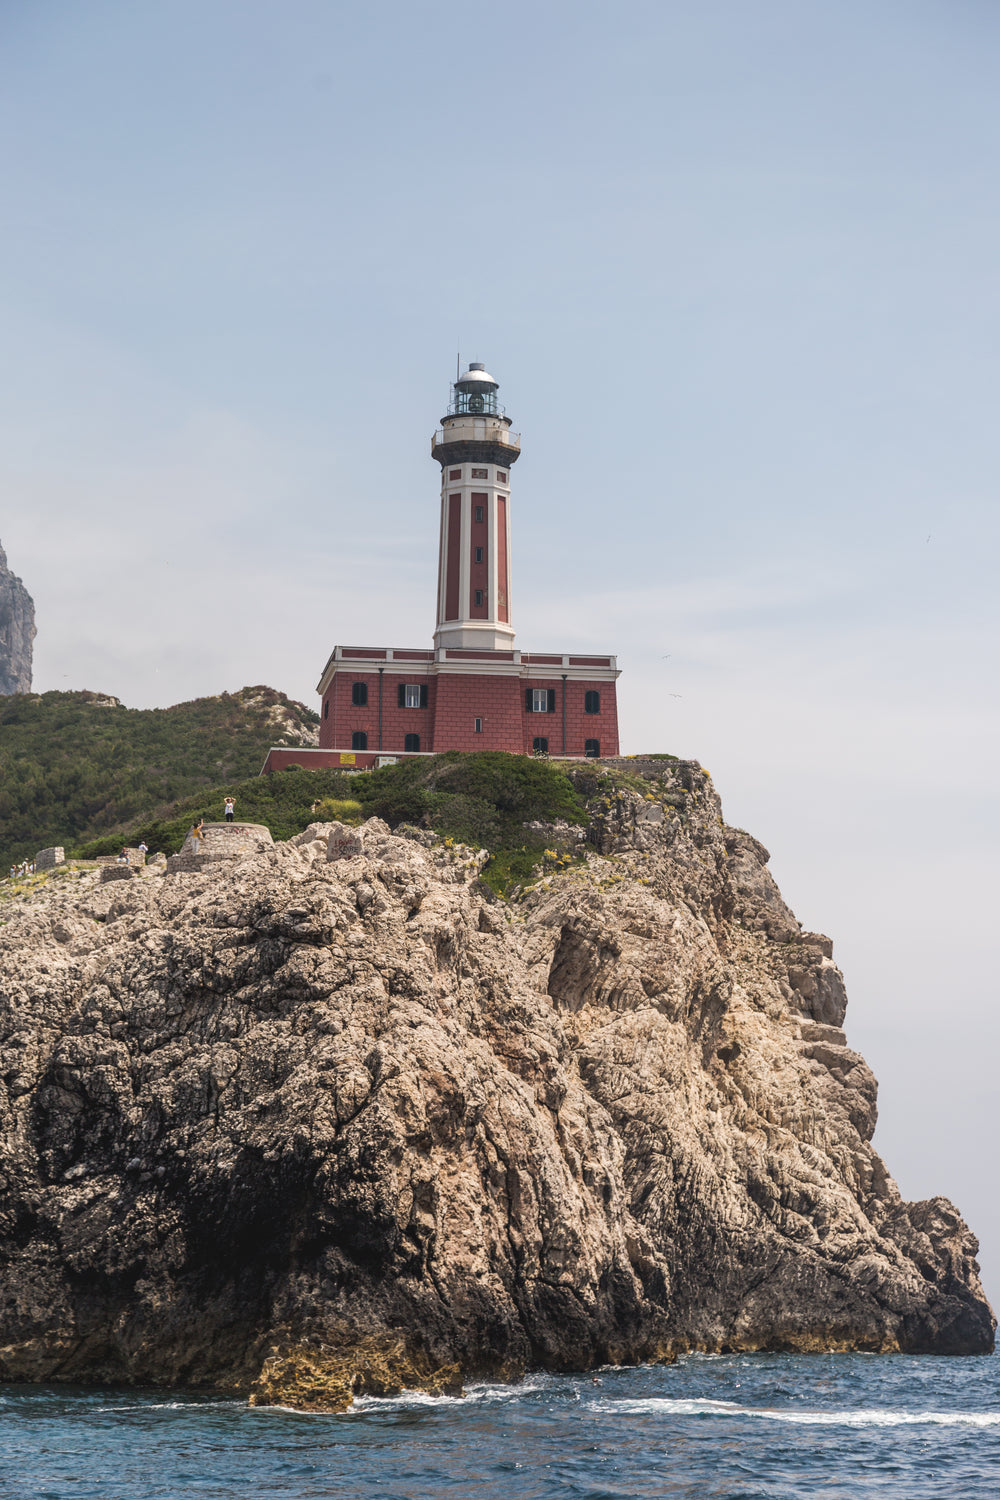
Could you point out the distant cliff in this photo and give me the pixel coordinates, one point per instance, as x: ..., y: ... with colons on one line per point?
x: 17, y: 631
x: 301, y: 1128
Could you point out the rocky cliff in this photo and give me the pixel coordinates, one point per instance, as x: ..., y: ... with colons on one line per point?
x: 298, y: 1127
x: 17, y: 631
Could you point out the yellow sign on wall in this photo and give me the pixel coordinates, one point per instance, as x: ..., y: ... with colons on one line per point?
x: 346, y: 759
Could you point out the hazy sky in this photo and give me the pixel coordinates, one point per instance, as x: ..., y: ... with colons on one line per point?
x: 736, y: 269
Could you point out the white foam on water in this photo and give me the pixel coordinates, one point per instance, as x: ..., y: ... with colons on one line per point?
x: 292, y: 1411
x: 665, y: 1406
x: 141, y: 1406
x: 473, y: 1394
x: 406, y: 1399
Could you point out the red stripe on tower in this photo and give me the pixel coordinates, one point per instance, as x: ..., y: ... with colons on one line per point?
x: 479, y: 575
x: 454, y: 555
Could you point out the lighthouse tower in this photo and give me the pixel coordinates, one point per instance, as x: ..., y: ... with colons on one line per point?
x: 476, y: 450
x: 471, y: 689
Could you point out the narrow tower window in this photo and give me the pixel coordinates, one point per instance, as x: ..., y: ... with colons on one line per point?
x: 479, y: 554
x: 359, y: 740
x: 592, y: 701
x: 326, y: 709
x: 479, y: 597
x: 480, y: 513
x: 359, y: 694
x: 479, y: 726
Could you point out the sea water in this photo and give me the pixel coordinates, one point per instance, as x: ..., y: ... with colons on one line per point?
x: 730, y: 1427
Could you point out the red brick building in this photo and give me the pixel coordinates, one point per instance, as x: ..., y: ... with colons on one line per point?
x: 472, y: 690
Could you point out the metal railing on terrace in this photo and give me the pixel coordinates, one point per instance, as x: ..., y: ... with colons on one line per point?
x: 482, y: 434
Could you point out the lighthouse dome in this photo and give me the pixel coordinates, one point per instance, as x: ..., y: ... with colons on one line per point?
x: 476, y: 378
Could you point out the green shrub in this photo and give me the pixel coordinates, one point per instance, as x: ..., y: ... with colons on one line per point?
x: 472, y: 820
x: 338, y: 810
x: 483, y: 799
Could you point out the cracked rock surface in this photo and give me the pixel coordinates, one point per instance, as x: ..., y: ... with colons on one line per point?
x: 292, y: 1105
x: 17, y: 631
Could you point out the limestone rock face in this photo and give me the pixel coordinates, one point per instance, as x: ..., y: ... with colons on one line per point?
x: 17, y: 631
x: 290, y: 1121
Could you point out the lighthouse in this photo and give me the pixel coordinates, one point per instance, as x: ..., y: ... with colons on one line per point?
x: 472, y: 689
x: 476, y: 450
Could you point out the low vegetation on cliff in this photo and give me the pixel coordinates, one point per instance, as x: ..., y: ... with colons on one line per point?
x: 75, y: 766
x: 507, y: 804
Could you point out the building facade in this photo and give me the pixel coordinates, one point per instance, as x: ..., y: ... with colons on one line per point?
x: 471, y: 690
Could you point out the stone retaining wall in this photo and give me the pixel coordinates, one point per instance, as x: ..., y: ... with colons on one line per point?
x: 220, y: 841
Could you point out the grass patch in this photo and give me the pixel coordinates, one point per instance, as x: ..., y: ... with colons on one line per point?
x: 282, y: 802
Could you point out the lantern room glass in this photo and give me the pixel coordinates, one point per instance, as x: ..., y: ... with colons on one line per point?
x: 474, y: 403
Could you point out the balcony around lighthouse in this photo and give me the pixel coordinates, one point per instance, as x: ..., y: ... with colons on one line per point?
x: 483, y: 431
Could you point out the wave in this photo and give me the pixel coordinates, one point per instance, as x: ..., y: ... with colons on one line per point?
x: 475, y: 1394
x: 665, y: 1406
x: 570, y: 1393
x: 139, y: 1406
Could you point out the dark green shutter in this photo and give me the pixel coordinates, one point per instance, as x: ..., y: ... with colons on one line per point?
x: 402, y: 695
x: 423, y: 695
x: 552, y: 700
x: 527, y: 700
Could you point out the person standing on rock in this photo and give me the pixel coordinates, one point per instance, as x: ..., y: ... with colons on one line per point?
x: 197, y: 832
x: 230, y: 808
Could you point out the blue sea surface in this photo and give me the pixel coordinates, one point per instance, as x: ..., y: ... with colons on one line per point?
x: 726, y: 1427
